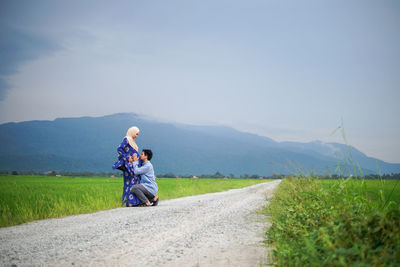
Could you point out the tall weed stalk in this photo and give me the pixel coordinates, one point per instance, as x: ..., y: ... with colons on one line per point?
x: 335, y: 223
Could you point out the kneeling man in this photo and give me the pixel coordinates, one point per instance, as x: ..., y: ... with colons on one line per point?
x: 146, y: 191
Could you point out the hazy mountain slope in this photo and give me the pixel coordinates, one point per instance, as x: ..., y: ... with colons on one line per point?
x: 89, y: 144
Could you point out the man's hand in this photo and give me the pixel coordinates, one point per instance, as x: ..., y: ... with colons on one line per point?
x: 130, y: 159
x: 135, y: 157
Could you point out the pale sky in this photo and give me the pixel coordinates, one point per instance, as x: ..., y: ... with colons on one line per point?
x: 289, y: 70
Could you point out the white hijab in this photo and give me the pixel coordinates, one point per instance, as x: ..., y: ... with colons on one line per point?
x: 131, y: 132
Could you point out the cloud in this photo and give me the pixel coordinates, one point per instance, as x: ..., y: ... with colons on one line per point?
x: 16, y: 47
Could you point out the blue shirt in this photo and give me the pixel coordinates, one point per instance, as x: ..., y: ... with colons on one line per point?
x: 146, y: 172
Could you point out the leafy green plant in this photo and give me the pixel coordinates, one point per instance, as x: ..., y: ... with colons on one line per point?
x: 333, y: 223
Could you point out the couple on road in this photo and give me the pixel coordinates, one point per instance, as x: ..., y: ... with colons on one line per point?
x: 140, y: 186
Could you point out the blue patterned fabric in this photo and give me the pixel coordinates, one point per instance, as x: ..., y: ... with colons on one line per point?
x: 124, y: 152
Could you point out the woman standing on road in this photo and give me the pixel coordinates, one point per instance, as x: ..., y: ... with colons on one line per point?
x: 126, y: 150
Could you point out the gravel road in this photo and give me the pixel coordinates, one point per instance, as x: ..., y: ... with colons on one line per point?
x: 218, y: 229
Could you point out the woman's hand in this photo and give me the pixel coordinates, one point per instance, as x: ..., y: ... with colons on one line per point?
x: 133, y: 158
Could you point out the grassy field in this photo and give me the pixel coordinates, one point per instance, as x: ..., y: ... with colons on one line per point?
x: 375, y: 190
x: 335, y: 223
x: 29, y: 198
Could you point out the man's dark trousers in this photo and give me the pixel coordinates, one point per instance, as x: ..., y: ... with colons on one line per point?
x: 142, y: 193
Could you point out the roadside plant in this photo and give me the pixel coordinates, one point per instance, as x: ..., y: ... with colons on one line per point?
x: 332, y: 223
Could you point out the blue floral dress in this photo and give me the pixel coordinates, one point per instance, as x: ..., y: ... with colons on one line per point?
x: 124, y: 152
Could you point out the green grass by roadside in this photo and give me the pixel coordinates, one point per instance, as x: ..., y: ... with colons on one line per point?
x: 28, y: 198
x: 335, y: 223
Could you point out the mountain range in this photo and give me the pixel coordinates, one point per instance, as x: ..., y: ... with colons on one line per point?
x: 90, y: 143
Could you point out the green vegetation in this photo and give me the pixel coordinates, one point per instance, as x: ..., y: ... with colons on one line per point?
x: 335, y: 223
x: 29, y: 198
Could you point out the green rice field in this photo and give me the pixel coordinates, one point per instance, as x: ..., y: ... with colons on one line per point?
x: 374, y: 190
x: 28, y: 198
